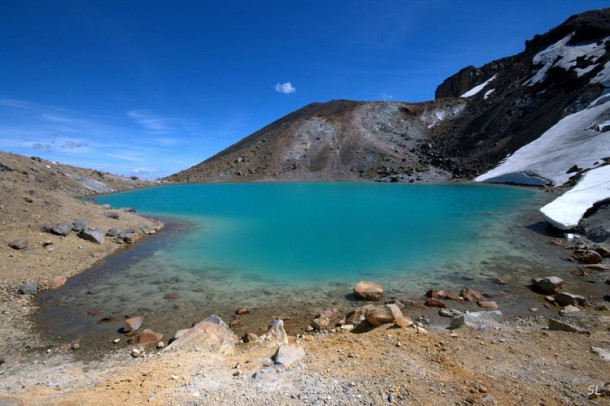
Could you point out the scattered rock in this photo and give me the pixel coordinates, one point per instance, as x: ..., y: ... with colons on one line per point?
x: 148, y: 338
x: 78, y: 226
x: 565, y: 299
x: 433, y: 302
x: 478, y: 320
x: 28, y: 288
x: 471, y: 295
x: 172, y: 295
x: 94, y: 235
x: 132, y: 323
x: 597, y: 267
x: 112, y: 215
x: 127, y: 235
x: 49, y: 246
x: 112, y: 232
x: 578, y: 271
x: 276, y: 332
x: 128, y: 209
x: 548, y: 285
x: 592, y: 257
x: 18, y: 244
x: 378, y: 315
x: 487, y: 304
x: 212, y: 333
x: 250, y: 338
x: 288, y: 354
x: 563, y: 326
x: 399, y: 319
x: 242, y: 310
x: 449, y: 312
x: 324, y: 319
x: 136, y: 352
x: 62, y: 229
x: 604, y: 354
x: 368, y: 290
x: 603, y: 251
x: 569, y: 309
x: 446, y: 294
x: 57, y: 282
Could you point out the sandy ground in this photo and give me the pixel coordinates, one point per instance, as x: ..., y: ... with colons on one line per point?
x: 516, y: 362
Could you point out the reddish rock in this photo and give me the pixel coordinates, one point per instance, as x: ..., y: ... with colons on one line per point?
x: 57, y: 282
x: 603, y: 251
x: 379, y: 315
x: 242, y: 310
x: 171, y: 295
x: 368, y: 290
x: 447, y: 294
x: 488, y: 304
x: 211, y: 333
x: 471, y: 295
x: 132, y: 323
x: 578, y: 272
x: 148, y: 337
x: 28, y: 199
x: 433, y: 302
x: 432, y: 293
x: 592, y: 257
x: 597, y: 267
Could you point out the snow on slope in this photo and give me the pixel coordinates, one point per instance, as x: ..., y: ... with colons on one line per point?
x: 565, y: 56
x: 566, y: 211
x: 478, y: 88
x: 574, y: 140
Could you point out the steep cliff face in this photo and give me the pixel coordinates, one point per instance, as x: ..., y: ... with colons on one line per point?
x: 480, y: 116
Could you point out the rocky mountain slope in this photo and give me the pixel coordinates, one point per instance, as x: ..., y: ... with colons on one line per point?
x: 480, y: 116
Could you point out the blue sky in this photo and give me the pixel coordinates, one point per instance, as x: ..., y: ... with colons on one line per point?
x: 151, y: 88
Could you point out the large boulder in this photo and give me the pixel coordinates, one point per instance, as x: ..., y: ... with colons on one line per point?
x: 61, y: 228
x: 478, y: 320
x: 211, y: 333
x: 288, y: 354
x: 379, y: 315
x: 548, y: 285
x: 95, y: 235
x: 368, y: 290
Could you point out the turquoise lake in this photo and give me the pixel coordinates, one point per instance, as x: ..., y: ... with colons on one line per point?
x: 307, y: 233
x: 290, y: 250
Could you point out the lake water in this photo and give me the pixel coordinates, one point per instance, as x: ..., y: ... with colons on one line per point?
x: 294, y: 248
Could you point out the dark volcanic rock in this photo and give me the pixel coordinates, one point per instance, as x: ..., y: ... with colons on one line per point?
x: 92, y: 234
x: 62, y: 228
x: 78, y: 225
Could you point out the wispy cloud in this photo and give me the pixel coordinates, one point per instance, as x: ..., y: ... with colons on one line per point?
x: 285, y: 88
x: 149, y: 121
x: 144, y: 171
x: 386, y: 97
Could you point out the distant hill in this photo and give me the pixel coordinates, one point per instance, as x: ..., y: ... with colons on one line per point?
x: 479, y: 117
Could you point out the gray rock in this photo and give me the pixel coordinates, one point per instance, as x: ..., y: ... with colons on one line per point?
x: 450, y: 313
x: 18, y: 244
x: 78, y: 225
x: 478, y: 320
x: 62, y: 228
x: 547, y: 285
x: 565, y: 299
x: 604, y: 354
x: 113, y: 232
x: 28, y: 288
x: 112, y: 215
x: 128, y: 209
x: 276, y: 332
x: 563, y: 326
x: 127, y: 234
x: 288, y: 354
x: 92, y: 234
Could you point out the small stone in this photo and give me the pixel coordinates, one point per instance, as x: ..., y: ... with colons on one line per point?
x: 471, y: 295
x: 94, y: 235
x: 112, y: 215
x: 487, y: 304
x: 160, y: 344
x: 116, y: 341
x: 288, y: 354
x: 18, y: 244
x: 368, y: 290
x: 148, y: 338
x: 565, y: 298
x: 242, y: 310
x: 28, y: 199
x: 547, y: 285
x: 446, y: 312
x: 569, y: 309
x: 174, y: 377
x: 57, y: 282
x: 76, y: 346
x: 62, y: 229
x: 28, y: 288
x: 562, y: 326
x: 132, y: 323
x: 135, y: 352
x: 433, y: 302
x: 78, y: 226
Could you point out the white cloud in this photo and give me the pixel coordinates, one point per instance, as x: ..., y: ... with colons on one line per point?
x: 144, y: 171
x: 147, y: 120
x: 285, y: 88
x: 386, y: 97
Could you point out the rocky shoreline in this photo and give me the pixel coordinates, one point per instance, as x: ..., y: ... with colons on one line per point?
x: 398, y: 352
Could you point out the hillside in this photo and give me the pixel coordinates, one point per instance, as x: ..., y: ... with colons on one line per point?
x: 480, y: 116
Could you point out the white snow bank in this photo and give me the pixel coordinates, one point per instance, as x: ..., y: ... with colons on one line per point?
x: 478, y: 88
x: 488, y: 93
x: 574, y: 140
x: 566, y: 211
x: 564, y: 56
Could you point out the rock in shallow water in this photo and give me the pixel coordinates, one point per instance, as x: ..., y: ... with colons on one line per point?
x: 547, y: 285
x: 368, y: 290
x: 132, y: 323
x: 148, y: 338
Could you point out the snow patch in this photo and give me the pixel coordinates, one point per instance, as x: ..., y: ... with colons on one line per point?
x: 562, y: 55
x: 603, y: 77
x: 478, y: 88
x: 488, y: 93
x: 566, y: 211
x: 573, y: 140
